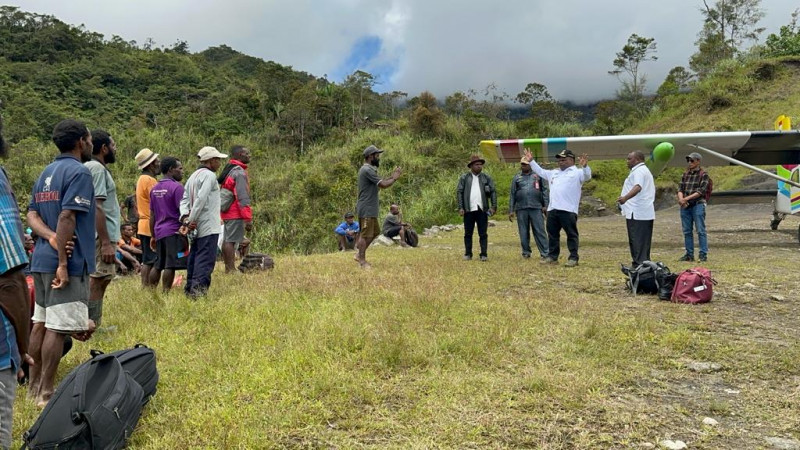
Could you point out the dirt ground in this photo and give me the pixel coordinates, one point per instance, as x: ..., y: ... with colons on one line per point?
x: 748, y: 335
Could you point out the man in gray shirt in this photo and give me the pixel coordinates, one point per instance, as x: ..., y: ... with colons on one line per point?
x: 107, y: 217
x: 528, y: 200
x: 200, y: 212
x: 367, y: 207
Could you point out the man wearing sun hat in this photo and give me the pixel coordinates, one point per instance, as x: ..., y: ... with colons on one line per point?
x: 200, y: 211
x: 474, y: 192
x: 566, y: 183
x: 147, y: 161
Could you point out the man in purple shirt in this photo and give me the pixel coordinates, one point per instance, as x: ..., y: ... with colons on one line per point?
x: 170, y: 246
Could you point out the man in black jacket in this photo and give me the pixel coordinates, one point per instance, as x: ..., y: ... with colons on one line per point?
x: 475, y: 190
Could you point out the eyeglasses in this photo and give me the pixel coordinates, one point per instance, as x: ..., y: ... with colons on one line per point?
x: 690, y: 160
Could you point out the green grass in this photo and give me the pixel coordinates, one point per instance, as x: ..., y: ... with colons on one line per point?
x: 427, y: 350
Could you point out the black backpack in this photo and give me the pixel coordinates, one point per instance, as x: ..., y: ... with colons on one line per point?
x: 96, y: 406
x: 140, y: 362
x: 256, y: 261
x: 650, y: 278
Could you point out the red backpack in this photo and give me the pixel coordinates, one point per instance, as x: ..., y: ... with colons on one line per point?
x: 693, y: 286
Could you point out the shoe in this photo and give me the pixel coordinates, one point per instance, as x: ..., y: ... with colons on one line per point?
x: 484, y: 258
x: 703, y: 257
x: 548, y: 260
x: 467, y: 258
x: 571, y: 263
x: 686, y: 257
x: 526, y: 256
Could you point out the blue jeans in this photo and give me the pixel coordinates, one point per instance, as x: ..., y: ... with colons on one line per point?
x: 694, y: 215
x: 531, y: 219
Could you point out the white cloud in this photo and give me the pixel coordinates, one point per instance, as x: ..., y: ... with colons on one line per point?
x: 441, y: 46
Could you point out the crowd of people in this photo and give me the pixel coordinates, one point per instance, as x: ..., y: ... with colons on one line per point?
x: 80, y: 235
x: 79, y: 238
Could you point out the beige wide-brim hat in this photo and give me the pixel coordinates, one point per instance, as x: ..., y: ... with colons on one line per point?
x: 207, y: 153
x: 145, y: 157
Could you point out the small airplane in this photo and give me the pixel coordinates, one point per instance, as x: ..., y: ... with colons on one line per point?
x: 743, y: 148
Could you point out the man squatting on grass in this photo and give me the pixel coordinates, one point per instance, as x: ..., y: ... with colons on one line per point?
x: 165, y: 222
x: 14, y: 303
x: 148, y: 163
x: 107, y: 217
x: 239, y: 217
x: 200, y: 212
x: 565, y: 198
x: 367, y: 206
x: 636, y: 202
x: 62, y: 204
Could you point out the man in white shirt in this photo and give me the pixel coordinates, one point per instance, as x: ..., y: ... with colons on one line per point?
x: 565, y: 198
x: 636, y: 203
x: 474, y: 194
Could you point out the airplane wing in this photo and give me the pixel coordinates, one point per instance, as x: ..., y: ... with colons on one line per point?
x: 750, y: 147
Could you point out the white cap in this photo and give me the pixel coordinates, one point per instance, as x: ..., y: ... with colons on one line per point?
x: 207, y: 153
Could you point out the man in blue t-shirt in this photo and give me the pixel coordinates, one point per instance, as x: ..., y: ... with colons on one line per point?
x: 347, y: 232
x: 62, y: 206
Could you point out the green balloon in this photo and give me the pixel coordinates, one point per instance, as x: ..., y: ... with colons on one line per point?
x: 663, y: 152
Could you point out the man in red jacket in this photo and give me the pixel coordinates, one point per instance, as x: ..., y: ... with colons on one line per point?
x: 238, y: 218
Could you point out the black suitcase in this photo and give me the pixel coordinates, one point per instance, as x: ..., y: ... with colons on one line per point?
x: 96, y: 406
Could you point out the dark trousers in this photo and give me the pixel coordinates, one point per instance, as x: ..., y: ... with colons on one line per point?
x: 558, y: 220
x: 202, y: 257
x: 640, y: 236
x: 471, y: 218
x: 531, y: 219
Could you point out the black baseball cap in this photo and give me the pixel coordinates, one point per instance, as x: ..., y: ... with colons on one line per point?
x: 371, y: 150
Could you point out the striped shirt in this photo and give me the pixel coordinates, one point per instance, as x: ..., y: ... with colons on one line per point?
x: 12, y: 240
x: 9, y: 351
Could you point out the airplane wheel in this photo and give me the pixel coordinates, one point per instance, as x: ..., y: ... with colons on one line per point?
x: 773, y: 224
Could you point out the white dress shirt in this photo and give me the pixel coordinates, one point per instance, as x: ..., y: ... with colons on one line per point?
x: 640, y: 206
x: 475, y: 200
x: 565, y: 186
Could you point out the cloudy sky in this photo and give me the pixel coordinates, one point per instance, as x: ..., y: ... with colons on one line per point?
x: 415, y: 45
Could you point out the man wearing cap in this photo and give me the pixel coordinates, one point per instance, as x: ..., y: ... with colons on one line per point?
x: 566, y: 183
x: 474, y: 192
x: 528, y: 200
x: 367, y: 206
x: 636, y: 202
x: 200, y: 212
x: 148, y: 163
x: 347, y: 232
x: 692, y: 200
x: 107, y: 218
x: 238, y: 218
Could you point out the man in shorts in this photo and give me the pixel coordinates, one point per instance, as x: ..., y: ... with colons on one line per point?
x: 367, y: 207
x: 62, y: 205
x: 148, y: 163
x: 107, y: 219
x: 170, y: 246
x: 238, y: 218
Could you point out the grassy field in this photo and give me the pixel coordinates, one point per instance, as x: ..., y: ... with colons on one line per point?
x: 428, y: 351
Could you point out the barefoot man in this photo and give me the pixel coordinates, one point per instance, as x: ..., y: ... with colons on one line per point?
x: 367, y: 207
x: 62, y: 206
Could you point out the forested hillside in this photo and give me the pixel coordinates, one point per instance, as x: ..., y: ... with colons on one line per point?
x: 307, y: 133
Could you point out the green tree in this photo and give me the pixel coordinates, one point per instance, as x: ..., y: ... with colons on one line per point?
x: 726, y: 26
x: 787, y: 41
x: 427, y: 118
x: 458, y: 103
x: 678, y: 80
x: 627, y: 64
